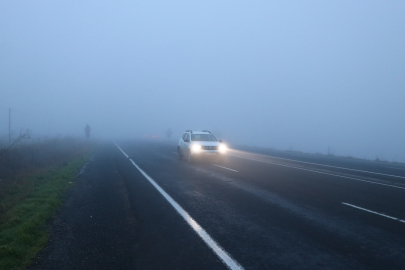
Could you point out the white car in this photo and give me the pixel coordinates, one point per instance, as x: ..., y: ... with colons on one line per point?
x: 195, y: 144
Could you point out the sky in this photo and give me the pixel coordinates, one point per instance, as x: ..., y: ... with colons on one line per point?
x: 291, y: 75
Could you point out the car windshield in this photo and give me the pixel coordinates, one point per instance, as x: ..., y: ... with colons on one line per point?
x: 203, y: 137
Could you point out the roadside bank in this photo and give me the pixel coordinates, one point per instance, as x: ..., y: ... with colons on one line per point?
x: 27, y: 204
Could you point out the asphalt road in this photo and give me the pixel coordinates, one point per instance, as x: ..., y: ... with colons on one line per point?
x: 259, y: 209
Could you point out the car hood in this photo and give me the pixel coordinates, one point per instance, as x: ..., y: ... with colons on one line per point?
x: 207, y: 143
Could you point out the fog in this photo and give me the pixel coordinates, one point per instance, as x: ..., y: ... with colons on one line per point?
x: 294, y: 75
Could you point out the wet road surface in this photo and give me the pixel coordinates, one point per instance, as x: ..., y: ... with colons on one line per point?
x: 262, y: 209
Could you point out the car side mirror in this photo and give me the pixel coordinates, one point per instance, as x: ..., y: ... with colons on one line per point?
x: 220, y: 141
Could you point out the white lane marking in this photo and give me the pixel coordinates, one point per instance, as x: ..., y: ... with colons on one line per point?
x: 371, y: 182
x: 121, y: 150
x: 364, y: 209
x: 218, y: 250
x: 225, y: 168
x: 175, y: 153
x: 329, y: 166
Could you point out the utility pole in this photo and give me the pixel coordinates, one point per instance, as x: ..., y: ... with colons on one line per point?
x: 9, y: 126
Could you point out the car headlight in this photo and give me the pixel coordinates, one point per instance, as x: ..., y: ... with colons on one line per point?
x: 222, y: 148
x: 196, y: 148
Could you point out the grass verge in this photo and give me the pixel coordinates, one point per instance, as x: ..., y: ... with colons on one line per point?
x: 26, y: 206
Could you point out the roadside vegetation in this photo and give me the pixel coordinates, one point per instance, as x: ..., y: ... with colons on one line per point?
x: 34, y: 180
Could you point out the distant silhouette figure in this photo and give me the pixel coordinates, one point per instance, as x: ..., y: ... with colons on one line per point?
x: 87, y: 129
x: 169, y: 133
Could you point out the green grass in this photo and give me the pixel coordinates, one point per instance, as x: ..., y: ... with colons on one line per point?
x: 26, y: 206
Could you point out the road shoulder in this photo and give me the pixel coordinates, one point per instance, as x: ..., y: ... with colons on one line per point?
x: 95, y: 229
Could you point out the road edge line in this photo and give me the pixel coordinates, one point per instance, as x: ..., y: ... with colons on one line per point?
x: 216, y: 248
x: 337, y: 175
x: 330, y: 166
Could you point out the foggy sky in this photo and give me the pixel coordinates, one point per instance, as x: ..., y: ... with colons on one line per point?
x: 295, y: 75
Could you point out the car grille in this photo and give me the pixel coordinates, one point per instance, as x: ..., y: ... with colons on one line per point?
x: 209, y: 147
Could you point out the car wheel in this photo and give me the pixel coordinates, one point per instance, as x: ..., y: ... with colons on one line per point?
x: 179, y: 155
x: 189, y: 157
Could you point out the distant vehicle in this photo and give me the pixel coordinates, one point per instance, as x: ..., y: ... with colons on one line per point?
x: 198, y: 144
x: 150, y: 136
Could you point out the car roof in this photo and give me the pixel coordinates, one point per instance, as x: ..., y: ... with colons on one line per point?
x: 197, y: 132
